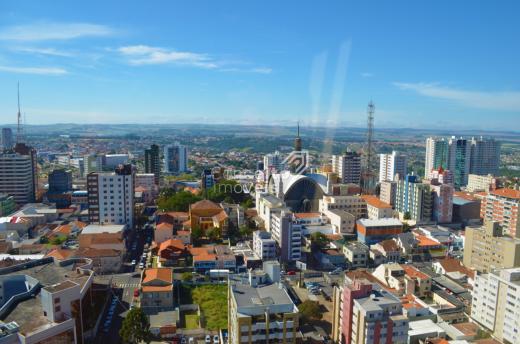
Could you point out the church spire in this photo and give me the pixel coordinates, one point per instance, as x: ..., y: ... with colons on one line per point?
x: 298, y: 140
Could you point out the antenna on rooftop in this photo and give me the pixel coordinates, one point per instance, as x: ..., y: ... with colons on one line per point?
x: 19, y: 128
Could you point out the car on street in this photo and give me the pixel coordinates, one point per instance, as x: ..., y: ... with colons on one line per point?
x: 133, y: 262
x: 215, y: 339
x: 208, y: 339
x: 136, y: 292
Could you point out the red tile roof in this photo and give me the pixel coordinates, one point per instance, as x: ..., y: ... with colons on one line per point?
x: 425, y: 241
x: 509, y: 193
x: 306, y: 215
x: 163, y: 274
x: 413, y: 272
x: 375, y: 202
x: 204, y: 204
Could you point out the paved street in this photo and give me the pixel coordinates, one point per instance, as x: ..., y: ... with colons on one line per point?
x: 122, y: 288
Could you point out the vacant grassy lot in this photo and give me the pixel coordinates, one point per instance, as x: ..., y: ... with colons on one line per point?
x: 192, y: 321
x: 212, y: 300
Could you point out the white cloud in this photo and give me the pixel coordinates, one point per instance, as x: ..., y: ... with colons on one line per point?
x: 495, y: 100
x: 149, y: 55
x: 43, y: 51
x: 367, y: 75
x: 34, y: 70
x: 44, y: 31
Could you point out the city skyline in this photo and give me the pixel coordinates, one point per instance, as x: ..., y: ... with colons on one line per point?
x: 87, y: 65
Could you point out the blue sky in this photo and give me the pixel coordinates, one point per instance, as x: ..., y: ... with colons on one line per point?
x: 439, y: 64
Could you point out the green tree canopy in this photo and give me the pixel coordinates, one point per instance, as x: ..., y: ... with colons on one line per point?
x: 229, y: 191
x: 196, y: 233
x: 319, y: 240
x: 186, y: 276
x: 310, y: 310
x: 135, y: 328
x: 179, y: 201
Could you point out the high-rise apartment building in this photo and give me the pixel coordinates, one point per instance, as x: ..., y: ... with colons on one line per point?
x: 441, y: 176
x: 387, y: 191
x: 348, y: 167
x: 287, y: 234
x: 175, y: 158
x: 414, y: 199
x: 495, y: 301
x: 436, y: 154
x: 207, y: 179
x: 7, y: 139
x: 261, y: 311
x: 365, y: 313
x: 502, y: 205
x: 462, y: 156
x: 459, y: 160
x: 273, y: 162
x: 111, y: 196
x: 60, y: 181
x: 390, y: 165
x: 18, y: 174
x: 264, y: 246
x: 485, y: 156
x: 442, y: 202
x: 441, y: 185
x: 487, y: 248
x: 152, y: 162
x: 482, y: 183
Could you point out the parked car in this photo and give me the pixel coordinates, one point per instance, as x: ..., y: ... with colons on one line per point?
x: 216, y: 339
x: 208, y: 339
x: 133, y: 262
x: 136, y: 292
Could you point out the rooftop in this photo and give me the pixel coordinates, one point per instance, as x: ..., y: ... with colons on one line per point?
x: 378, y: 300
x: 95, y: 229
x: 376, y: 202
x: 248, y: 297
x: 507, y: 193
x: 29, y: 313
x: 306, y: 215
x: 204, y: 204
x: 413, y: 272
x: 379, y: 222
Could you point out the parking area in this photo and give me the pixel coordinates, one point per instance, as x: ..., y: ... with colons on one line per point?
x: 317, y: 289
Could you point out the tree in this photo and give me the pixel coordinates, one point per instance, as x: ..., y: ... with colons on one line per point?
x: 179, y: 201
x: 248, y: 203
x: 228, y: 191
x: 196, y: 233
x: 213, y: 234
x: 186, y: 276
x: 136, y: 327
x: 407, y: 216
x: 319, y: 241
x: 310, y: 310
x: 245, y: 231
